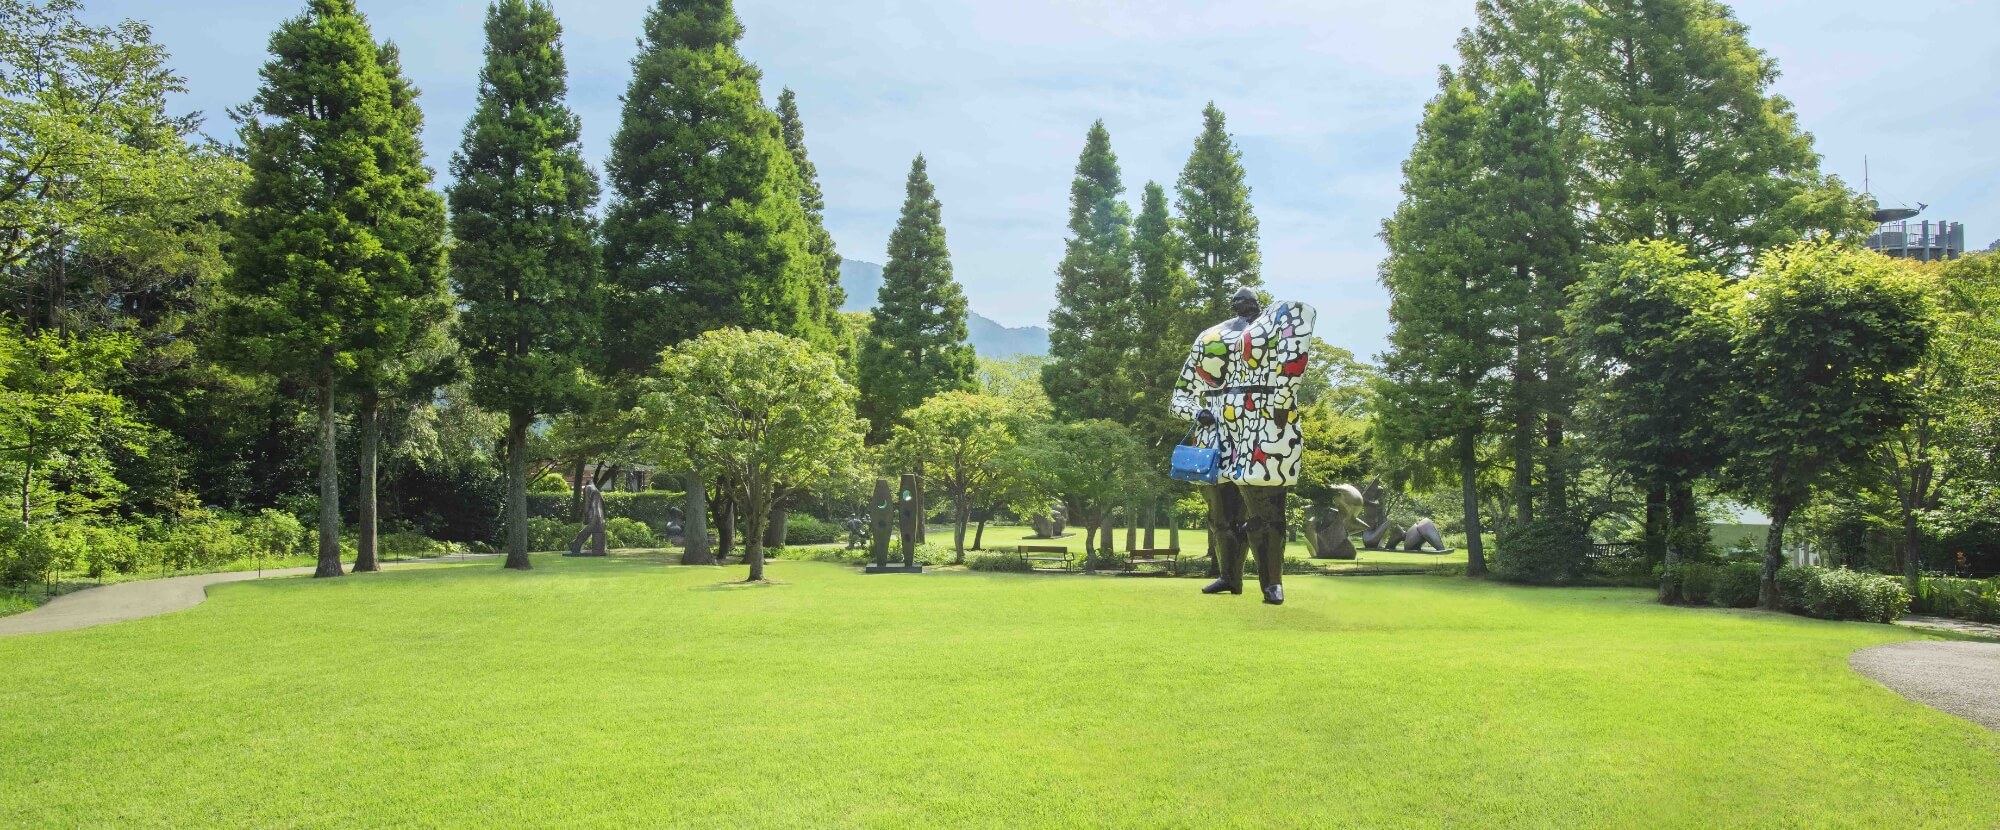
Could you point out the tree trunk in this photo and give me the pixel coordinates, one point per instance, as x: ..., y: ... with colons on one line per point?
x: 979, y: 536
x: 961, y: 517
x: 1152, y: 517
x: 1173, y: 532
x: 1555, y: 469
x: 518, y: 421
x: 753, y: 537
x: 1090, y: 554
x: 1774, y: 554
x: 1524, y: 466
x: 725, y: 523
x: 329, y: 486
x: 27, y: 483
x: 1912, y: 544
x: 1468, y: 474
x: 1656, y: 523
x: 1670, y: 587
x: 365, y: 559
x: 694, y: 524
x: 1131, y: 525
x: 1684, y: 528
x: 1109, y: 523
x: 576, y: 490
x: 774, y: 527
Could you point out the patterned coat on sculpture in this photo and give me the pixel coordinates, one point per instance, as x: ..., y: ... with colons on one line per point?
x: 1249, y: 377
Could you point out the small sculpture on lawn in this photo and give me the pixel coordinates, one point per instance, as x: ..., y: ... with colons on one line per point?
x: 857, y: 533
x: 593, y: 523
x: 1379, y: 533
x: 1338, y: 519
x: 1424, y: 532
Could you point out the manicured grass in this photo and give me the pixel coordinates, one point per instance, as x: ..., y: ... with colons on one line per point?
x: 624, y: 693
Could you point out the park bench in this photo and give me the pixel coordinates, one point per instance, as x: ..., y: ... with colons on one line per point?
x: 1058, y: 554
x: 1166, y: 558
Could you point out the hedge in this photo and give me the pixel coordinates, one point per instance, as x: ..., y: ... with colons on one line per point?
x: 1977, y: 600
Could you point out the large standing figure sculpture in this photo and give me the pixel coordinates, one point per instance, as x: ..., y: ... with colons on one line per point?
x: 1240, y: 387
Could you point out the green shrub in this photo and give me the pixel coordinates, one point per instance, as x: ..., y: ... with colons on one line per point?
x: 275, y: 534
x: 1841, y: 594
x: 549, y: 534
x: 804, y: 529
x: 627, y: 533
x: 1727, y: 584
x: 1548, y: 551
x: 112, y: 549
x: 1977, y: 600
x: 39, y: 551
x: 407, y: 543
x: 204, y: 543
x: 1001, y: 562
x: 549, y: 483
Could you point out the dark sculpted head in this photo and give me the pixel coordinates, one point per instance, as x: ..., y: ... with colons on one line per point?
x: 1245, y: 303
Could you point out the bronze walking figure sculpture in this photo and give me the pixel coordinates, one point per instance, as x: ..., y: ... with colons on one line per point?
x: 1240, y: 387
x: 593, y: 523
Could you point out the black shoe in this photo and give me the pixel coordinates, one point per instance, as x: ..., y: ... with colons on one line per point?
x: 1220, y: 586
x: 1274, y: 595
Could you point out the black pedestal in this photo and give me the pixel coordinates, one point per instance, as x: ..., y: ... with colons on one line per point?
x: 893, y: 568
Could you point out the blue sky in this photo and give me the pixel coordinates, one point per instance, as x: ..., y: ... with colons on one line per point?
x: 1323, y: 96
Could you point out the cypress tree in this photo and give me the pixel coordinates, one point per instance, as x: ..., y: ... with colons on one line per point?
x: 1447, y: 295
x: 1537, y: 246
x: 409, y: 357
x: 1216, y: 220
x: 1164, y: 320
x: 811, y: 199
x: 915, y: 347
x: 1091, y: 338
x: 525, y: 257
x: 328, y: 248
x: 704, y: 229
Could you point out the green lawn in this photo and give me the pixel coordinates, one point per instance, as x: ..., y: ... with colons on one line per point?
x: 1193, y: 543
x: 622, y: 693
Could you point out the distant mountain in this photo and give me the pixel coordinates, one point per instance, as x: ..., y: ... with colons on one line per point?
x: 863, y: 281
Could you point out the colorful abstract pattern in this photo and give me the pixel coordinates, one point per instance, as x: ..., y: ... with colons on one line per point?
x: 1248, y: 374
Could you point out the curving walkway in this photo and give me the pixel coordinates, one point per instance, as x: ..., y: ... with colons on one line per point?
x: 1962, y: 678
x: 145, y: 598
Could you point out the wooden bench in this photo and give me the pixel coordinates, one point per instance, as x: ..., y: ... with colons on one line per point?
x: 1166, y: 558
x: 1058, y: 554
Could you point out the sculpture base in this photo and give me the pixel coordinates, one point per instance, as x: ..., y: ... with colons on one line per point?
x: 893, y: 568
x: 1400, y: 550
x: 585, y: 554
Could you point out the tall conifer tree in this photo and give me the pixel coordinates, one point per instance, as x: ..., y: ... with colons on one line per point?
x: 410, y: 356
x: 1684, y: 140
x: 525, y: 260
x: 328, y: 249
x: 1091, y: 338
x: 915, y: 346
x: 1447, y: 291
x: 1164, y: 324
x: 705, y: 229
x: 811, y: 199
x: 1216, y: 219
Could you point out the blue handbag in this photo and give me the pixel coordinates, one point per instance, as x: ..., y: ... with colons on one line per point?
x: 1201, y: 465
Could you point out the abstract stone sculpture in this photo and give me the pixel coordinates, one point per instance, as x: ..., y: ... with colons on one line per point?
x: 888, y: 512
x: 1380, y: 533
x: 1424, y: 531
x: 593, y: 523
x: 1336, y: 521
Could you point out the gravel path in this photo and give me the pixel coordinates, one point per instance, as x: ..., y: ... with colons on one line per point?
x: 1957, y: 677
x: 134, y: 600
